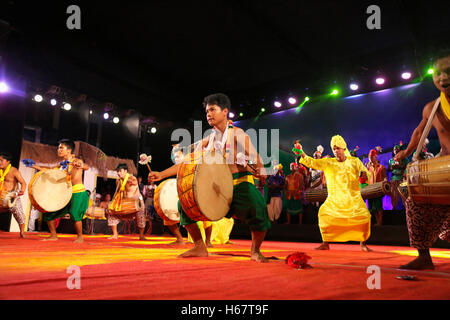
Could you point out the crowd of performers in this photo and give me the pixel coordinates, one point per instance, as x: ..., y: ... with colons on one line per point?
x: 343, y: 216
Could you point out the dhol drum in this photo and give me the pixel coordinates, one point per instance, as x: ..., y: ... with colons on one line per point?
x: 429, y: 180
x: 376, y: 190
x: 205, y: 186
x: 7, y: 200
x: 95, y: 213
x: 166, y: 200
x: 316, y: 195
x: 372, y: 191
x: 129, y: 206
x: 49, y: 190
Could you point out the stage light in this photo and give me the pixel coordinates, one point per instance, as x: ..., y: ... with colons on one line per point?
x: 38, y: 98
x: 53, y: 102
x: 430, y: 71
x: 231, y: 115
x: 380, y: 81
x: 277, y: 104
x: 116, y: 120
x: 292, y: 100
x: 241, y: 114
x: 263, y: 109
x: 106, y: 116
x: 67, y: 106
x: 3, y: 87
x: 354, y: 87
x: 90, y: 111
x: 306, y: 98
x: 153, y: 130
x: 335, y: 92
x: 406, y: 75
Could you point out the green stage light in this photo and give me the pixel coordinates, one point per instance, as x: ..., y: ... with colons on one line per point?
x: 241, y: 114
x: 430, y: 71
x: 263, y: 109
x: 306, y: 98
x: 335, y: 92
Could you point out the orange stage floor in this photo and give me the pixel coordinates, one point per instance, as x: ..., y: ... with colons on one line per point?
x: 131, y: 269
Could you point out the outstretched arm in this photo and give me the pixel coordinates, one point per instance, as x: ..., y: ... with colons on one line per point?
x: 21, y: 180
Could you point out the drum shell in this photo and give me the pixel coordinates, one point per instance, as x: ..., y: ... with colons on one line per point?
x: 376, y: 190
x: 5, y: 200
x: 96, y: 213
x: 316, y: 195
x: 157, y: 203
x: 129, y: 206
x: 32, y: 192
x: 429, y: 181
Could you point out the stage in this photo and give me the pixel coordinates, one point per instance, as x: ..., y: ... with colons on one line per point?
x: 128, y: 269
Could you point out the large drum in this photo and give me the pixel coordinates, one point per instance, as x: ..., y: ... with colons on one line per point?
x: 129, y: 206
x: 205, y: 186
x: 49, y: 190
x: 429, y: 180
x: 166, y: 200
x: 95, y: 213
x: 7, y: 200
x: 376, y: 190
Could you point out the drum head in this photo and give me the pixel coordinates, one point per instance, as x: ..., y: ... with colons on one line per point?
x: 51, y: 190
x: 213, y: 187
x: 168, y: 200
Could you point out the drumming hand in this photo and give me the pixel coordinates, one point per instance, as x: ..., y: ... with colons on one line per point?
x: 400, y: 155
x: 21, y: 193
x: 154, y: 176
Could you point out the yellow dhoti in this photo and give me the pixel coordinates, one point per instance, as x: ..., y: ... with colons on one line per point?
x: 220, y: 230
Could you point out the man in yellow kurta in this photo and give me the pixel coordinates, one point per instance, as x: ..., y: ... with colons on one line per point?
x: 344, y: 215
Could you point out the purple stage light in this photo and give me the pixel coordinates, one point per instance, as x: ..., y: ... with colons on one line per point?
x: 277, y: 104
x: 292, y: 100
x: 231, y: 115
x: 354, y: 87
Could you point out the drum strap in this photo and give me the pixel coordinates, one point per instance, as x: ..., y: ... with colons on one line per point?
x: 116, y: 204
x: 3, y: 175
x: 427, y: 129
x: 218, y: 145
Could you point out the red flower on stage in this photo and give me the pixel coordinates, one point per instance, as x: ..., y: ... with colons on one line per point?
x: 298, y: 260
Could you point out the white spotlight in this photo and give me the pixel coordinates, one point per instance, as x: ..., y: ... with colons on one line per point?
x: 106, y: 116
x: 153, y: 130
x: 53, y: 102
x: 67, y: 106
x: 116, y: 120
x: 38, y: 98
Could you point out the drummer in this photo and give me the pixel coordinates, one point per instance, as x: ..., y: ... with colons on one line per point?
x: 427, y: 222
x: 248, y: 203
x: 127, y: 187
x: 10, y: 177
x: 79, y: 202
x: 377, y: 174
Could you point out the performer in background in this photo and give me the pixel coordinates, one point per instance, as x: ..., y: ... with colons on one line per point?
x: 247, y: 203
x: 398, y: 169
x: 127, y: 188
x: 10, y: 178
x: 344, y: 215
x: 377, y: 174
x: 275, y: 184
x: 293, y: 190
x: 79, y: 202
x: 427, y: 222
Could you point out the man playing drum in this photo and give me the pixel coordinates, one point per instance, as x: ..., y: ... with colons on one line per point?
x: 127, y: 188
x: 9, y: 178
x: 79, y: 202
x: 427, y: 222
x: 247, y: 203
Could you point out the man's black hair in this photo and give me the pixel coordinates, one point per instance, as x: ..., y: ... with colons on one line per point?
x: 6, y: 155
x: 219, y: 99
x: 68, y: 143
x: 122, y: 166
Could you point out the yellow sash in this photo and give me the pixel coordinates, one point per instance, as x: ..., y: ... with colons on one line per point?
x: 3, y: 175
x: 445, y: 105
x: 247, y: 178
x: 116, y: 203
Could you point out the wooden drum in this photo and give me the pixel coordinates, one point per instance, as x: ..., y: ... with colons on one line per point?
x: 316, y: 195
x: 49, y: 190
x: 95, y: 213
x: 7, y: 200
x: 166, y: 201
x: 129, y: 206
x: 205, y: 186
x: 429, y: 180
x: 376, y: 190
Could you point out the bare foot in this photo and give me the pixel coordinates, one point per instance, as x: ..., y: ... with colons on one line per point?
x: 142, y: 238
x: 365, y: 248
x: 196, y: 251
x: 420, y: 263
x: 177, y: 243
x: 114, y: 237
x: 229, y: 242
x: 23, y: 235
x: 51, y: 238
x: 209, y: 245
x: 258, y: 257
x: 79, y: 240
x: 323, y: 246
